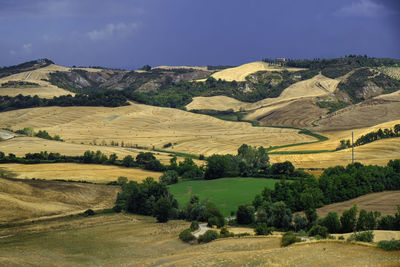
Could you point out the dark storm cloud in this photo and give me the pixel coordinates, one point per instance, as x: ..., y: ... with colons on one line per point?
x: 187, y: 32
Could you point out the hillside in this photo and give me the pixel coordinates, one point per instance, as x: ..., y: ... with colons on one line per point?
x: 147, y: 126
x: 122, y: 239
x: 32, y: 199
x: 240, y: 73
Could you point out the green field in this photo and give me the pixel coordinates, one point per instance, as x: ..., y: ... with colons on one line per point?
x: 226, y: 193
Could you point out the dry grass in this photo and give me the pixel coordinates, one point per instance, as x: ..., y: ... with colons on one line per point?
x: 240, y: 73
x: 384, y: 202
x: 379, y: 235
x: 148, y: 126
x: 32, y: 199
x: 78, y: 172
x: 122, y: 240
x: 44, y: 90
x: 22, y: 145
x: 316, y: 86
x: 204, y: 68
x: 393, y: 72
x: 375, y: 153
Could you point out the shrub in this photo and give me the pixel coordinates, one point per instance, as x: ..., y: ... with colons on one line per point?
x: 245, y: 214
x: 389, y: 244
x: 88, y: 212
x: 289, y: 238
x: 225, y: 233
x: 194, y: 226
x: 186, y: 236
x: 208, y: 236
x: 263, y: 229
x: 242, y: 234
x: 318, y: 230
x: 341, y: 237
x: 367, y: 236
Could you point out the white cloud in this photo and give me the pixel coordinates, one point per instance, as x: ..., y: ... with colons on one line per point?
x: 12, y: 52
x: 364, y: 8
x: 113, y: 30
x: 27, y: 48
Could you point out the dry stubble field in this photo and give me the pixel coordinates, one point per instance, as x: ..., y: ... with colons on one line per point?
x: 150, y: 127
x: 119, y: 239
x: 33, y: 199
x: 78, y: 172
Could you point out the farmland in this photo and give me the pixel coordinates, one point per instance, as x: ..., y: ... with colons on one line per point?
x: 140, y: 240
x: 78, y: 172
x: 226, y: 193
x: 148, y: 126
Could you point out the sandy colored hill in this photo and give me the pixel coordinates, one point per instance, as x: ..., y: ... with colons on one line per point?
x: 78, y: 172
x: 335, y: 137
x: 368, y: 113
x: 316, y: 86
x: 384, y: 202
x: 33, y: 199
x: 44, y: 90
x: 376, y: 153
x: 240, y: 73
x: 204, y: 68
x: 149, y: 126
x: 119, y: 240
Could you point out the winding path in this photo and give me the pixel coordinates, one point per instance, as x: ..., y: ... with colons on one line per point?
x: 202, y: 230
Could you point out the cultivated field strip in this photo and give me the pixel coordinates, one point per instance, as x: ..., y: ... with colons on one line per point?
x: 149, y: 126
x: 78, y: 172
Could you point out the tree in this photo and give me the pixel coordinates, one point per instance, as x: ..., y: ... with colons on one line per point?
x: 217, y: 167
x: 145, y: 157
x: 281, y: 215
x: 331, y: 222
x: 300, y: 223
x: 146, y: 68
x: 169, y: 177
x: 162, y: 209
x: 283, y: 168
x: 263, y: 229
x: 319, y: 230
x: 245, y: 214
x: 128, y: 161
x: 349, y: 219
x: 252, y: 159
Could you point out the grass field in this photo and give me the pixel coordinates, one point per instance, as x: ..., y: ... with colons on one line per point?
x: 123, y: 240
x: 226, y: 193
x: 78, y: 172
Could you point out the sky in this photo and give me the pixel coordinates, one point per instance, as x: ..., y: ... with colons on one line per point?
x: 131, y: 33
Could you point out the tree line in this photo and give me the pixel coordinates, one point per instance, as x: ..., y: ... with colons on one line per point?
x: 371, y: 137
x: 106, y: 99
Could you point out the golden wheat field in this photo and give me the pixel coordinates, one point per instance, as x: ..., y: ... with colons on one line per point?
x: 384, y: 202
x: 240, y: 73
x: 44, y: 90
x: 149, y: 126
x: 375, y: 153
x: 22, y: 200
x: 119, y: 240
x: 21, y: 145
x: 78, y: 172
